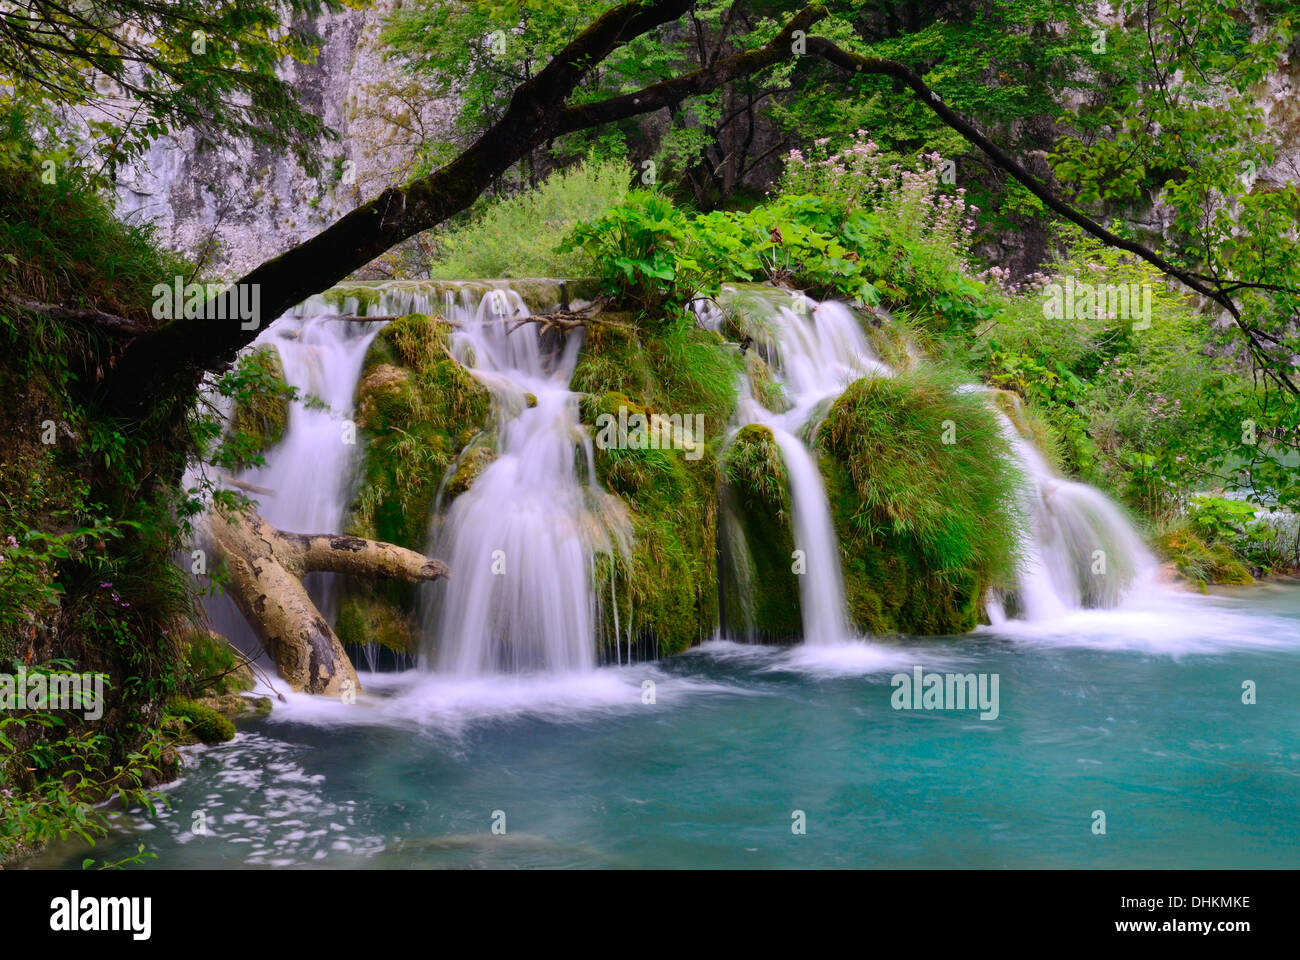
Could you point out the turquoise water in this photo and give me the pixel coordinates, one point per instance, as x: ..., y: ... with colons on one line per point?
x: 1137, y: 713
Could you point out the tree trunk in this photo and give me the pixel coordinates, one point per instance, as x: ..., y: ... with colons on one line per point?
x: 266, y: 566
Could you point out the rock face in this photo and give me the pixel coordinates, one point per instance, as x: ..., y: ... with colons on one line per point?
x: 241, y: 205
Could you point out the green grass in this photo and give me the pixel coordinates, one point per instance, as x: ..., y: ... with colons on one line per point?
x: 516, y: 236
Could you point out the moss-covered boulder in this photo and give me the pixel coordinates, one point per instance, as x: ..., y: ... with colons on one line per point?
x: 924, y: 496
x: 417, y: 409
x: 477, y: 458
x: 197, y: 723
x: 261, y: 412
x: 665, y: 586
x: 760, y: 591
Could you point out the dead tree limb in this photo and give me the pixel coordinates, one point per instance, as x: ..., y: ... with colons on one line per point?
x: 266, y: 568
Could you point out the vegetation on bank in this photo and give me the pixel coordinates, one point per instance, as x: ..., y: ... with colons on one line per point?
x: 92, y: 508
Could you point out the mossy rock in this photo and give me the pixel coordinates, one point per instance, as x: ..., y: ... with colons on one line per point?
x: 235, y: 705
x: 365, y: 298
x: 418, y: 409
x: 612, y: 359
x: 666, y: 586
x: 200, y: 723
x: 468, y: 468
x: 760, y: 589
x: 925, y: 499
x: 763, y: 384
x: 259, y: 421
x: 890, y: 585
x: 381, y: 613
x: 381, y: 393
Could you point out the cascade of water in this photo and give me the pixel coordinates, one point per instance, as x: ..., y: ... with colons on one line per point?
x: 1080, y: 550
x: 816, y: 350
x: 303, y: 485
x: 520, y: 541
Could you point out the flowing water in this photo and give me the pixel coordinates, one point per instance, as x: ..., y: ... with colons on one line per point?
x: 1130, y: 702
x: 1137, y: 712
x: 1081, y: 551
x: 816, y: 351
x: 520, y: 541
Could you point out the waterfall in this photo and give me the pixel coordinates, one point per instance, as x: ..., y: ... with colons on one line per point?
x: 520, y: 542
x: 816, y: 350
x: 1080, y: 551
x: 523, y: 539
x: 303, y: 485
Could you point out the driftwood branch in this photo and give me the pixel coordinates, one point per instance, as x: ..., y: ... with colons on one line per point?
x: 266, y: 567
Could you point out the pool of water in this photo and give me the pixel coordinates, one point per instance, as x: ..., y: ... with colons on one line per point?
x: 1135, y: 712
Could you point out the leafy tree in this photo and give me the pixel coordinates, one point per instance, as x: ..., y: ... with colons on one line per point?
x: 140, y: 69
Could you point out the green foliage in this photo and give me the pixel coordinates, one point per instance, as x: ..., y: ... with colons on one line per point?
x: 1218, y: 518
x: 56, y: 774
x: 872, y: 232
x: 1181, y: 122
x: 261, y: 398
x: 1200, y: 562
x: 91, y: 508
x: 517, y: 235
x: 61, y: 243
x: 957, y: 500
x: 1150, y: 409
x: 209, y: 66
x: 212, y: 666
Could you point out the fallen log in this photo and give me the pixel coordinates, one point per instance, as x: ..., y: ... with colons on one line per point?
x: 266, y: 567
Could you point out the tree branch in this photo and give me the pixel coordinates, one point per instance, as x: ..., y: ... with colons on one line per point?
x: 187, y: 348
